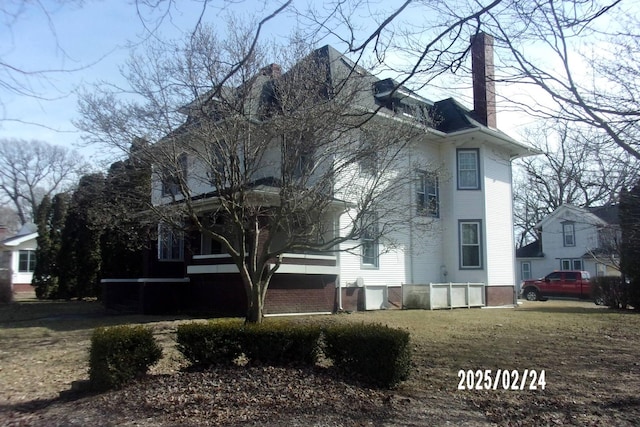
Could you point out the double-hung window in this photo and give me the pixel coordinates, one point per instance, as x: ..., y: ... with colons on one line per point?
x: 470, y: 244
x: 172, y: 177
x: 568, y: 234
x: 367, y: 157
x: 427, y: 197
x: 570, y: 264
x: 304, y: 165
x: 468, y: 164
x: 370, y: 250
x: 26, y: 261
x: 525, y: 270
x: 170, y: 244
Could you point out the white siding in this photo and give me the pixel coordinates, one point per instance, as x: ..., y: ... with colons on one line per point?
x: 586, y: 238
x: 500, y: 251
x: 391, y: 270
x: 16, y: 276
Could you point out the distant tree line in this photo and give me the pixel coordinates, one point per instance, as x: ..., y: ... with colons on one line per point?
x: 94, y: 231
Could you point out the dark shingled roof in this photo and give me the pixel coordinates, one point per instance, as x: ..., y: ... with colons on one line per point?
x: 532, y: 250
x: 451, y: 116
x: 608, y: 213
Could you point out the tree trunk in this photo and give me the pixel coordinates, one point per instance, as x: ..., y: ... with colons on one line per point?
x: 255, y: 302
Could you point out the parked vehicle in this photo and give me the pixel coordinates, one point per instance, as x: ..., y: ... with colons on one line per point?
x: 561, y: 283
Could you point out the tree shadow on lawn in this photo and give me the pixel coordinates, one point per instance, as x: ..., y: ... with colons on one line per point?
x: 67, y: 316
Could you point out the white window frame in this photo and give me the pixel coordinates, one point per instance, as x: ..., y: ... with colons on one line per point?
x: 525, y: 273
x: 465, y: 172
x: 464, y: 243
x: 30, y: 260
x: 368, y: 161
x: 568, y: 234
x: 571, y: 264
x: 170, y: 178
x: 370, y: 243
x: 428, y: 194
x: 170, y: 244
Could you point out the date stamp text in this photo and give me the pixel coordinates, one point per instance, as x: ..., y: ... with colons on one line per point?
x: 487, y: 379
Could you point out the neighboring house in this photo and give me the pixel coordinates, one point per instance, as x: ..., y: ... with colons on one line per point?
x: 470, y: 241
x: 18, y: 256
x: 573, y: 238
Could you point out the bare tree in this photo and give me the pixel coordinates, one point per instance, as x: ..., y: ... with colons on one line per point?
x: 258, y: 161
x: 9, y: 218
x: 576, y: 167
x: 583, y: 55
x: 29, y: 170
x: 579, y: 58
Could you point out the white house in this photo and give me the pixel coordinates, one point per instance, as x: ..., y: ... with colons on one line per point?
x: 468, y: 204
x: 18, y: 256
x: 573, y: 238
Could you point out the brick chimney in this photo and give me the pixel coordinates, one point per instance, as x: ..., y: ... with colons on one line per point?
x: 272, y: 70
x: 484, y: 88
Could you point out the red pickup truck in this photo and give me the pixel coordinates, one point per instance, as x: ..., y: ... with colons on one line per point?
x: 561, y: 283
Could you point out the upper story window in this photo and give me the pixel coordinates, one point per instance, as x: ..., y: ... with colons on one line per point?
x: 304, y: 165
x: 367, y: 157
x: 568, y: 234
x: 427, y: 194
x: 26, y: 261
x: 370, y: 250
x: 470, y: 244
x: 468, y: 164
x: 172, y: 177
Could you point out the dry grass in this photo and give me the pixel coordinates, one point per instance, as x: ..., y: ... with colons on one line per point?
x: 589, y: 354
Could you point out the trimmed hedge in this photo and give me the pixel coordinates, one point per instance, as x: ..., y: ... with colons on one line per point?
x: 281, y: 343
x: 120, y: 354
x: 373, y: 353
x: 222, y: 342
x: 212, y: 343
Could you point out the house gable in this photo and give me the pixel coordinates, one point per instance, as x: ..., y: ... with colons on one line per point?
x: 573, y: 238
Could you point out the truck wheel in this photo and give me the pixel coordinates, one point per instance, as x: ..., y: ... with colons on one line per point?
x: 531, y: 294
x: 599, y: 300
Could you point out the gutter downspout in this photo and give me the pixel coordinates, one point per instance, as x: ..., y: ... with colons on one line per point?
x: 515, y: 262
x: 336, y: 229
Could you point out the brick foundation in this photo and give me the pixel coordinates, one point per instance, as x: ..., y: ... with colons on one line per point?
x: 499, y: 295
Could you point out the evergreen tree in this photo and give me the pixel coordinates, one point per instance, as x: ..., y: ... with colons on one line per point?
x: 630, y: 247
x: 43, y: 280
x: 127, y: 195
x: 79, y: 257
x: 50, y: 218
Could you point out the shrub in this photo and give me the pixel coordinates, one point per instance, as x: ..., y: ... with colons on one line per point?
x: 612, y: 291
x: 121, y: 354
x: 373, y: 353
x: 281, y: 343
x: 212, y: 343
x: 6, y: 293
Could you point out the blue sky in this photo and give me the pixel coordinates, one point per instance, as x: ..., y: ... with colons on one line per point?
x: 89, y: 42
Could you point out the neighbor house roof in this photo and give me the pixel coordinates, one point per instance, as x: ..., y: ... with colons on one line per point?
x: 27, y: 232
x: 608, y: 213
x: 532, y: 250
